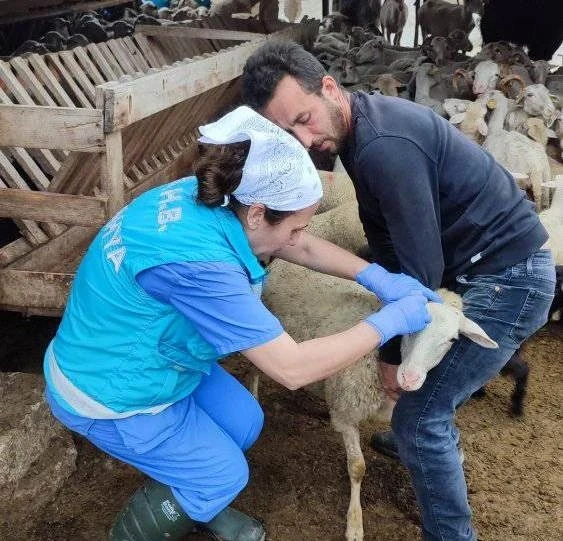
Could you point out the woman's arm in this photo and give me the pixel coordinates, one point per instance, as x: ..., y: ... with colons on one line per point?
x: 323, y: 256
x: 294, y: 365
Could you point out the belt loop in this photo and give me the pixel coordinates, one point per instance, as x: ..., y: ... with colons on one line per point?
x: 529, y: 264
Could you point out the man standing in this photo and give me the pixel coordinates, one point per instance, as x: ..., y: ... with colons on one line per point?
x: 438, y: 207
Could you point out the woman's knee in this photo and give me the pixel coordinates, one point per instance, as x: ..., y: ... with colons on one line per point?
x: 254, y: 425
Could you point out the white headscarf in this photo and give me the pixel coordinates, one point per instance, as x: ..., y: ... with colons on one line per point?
x: 278, y: 171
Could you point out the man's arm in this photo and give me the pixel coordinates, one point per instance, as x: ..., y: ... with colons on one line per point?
x: 405, y: 182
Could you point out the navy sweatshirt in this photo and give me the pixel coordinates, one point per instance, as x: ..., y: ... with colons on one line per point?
x: 433, y: 203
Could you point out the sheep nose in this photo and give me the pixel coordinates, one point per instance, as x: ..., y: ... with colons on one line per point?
x: 479, y: 88
x: 410, y: 379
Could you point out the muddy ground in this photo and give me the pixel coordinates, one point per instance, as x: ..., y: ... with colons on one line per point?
x: 299, y: 484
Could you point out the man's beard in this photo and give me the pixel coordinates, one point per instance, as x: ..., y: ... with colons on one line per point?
x: 338, y: 128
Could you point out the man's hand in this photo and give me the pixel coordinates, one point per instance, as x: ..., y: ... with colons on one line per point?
x: 388, y: 376
x: 391, y: 287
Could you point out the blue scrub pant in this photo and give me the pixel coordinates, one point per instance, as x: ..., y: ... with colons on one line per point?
x: 196, y: 446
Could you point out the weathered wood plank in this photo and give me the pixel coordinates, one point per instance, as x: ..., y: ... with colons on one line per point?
x: 135, y: 54
x: 45, y: 157
x: 44, y: 257
x: 110, y: 58
x: 33, y: 84
x: 133, y: 100
x: 51, y: 82
x: 88, y: 65
x: 52, y: 207
x: 13, y: 251
x: 112, y: 173
x: 101, y: 62
x: 51, y: 127
x: 121, y: 56
x: 36, y: 175
x: 69, y: 80
x: 178, y: 31
x: 78, y: 73
x: 146, y: 49
x: 35, y: 290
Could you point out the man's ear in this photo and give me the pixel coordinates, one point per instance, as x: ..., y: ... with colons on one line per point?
x: 329, y: 86
x: 255, y: 215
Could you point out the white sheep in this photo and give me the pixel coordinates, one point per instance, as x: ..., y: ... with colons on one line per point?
x: 552, y: 220
x: 310, y: 305
x: 486, y: 77
x: 471, y: 122
x: 515, y: 151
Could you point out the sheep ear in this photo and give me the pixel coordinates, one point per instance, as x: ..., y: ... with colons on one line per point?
x: 482, y: 127
x: 475, y: 333
x: 457, y: 118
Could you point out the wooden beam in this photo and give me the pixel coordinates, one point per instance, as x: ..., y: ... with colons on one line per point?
x: 182, y: 31
x: 52, y: 207
x: 131, y: 101
x: 112, y: 181
x: 35, y: 290
x: 73, y: 241
x: 34, y: 126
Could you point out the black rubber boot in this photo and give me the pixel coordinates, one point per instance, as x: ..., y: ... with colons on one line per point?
x: 385, y: 443
x: 232, y: 525
x: 151, y: 514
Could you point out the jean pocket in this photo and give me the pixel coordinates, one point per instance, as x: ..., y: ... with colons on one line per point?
x: 533, y: 315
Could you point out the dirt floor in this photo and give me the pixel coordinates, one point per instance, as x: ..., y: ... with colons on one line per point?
x: 299, y: 484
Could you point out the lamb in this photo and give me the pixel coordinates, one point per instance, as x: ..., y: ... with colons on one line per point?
x: 297, y: 296
x: 393, y: 17
x: 375, y: 51
x: 471, y: 122
x: 537, y: 101
x: 552, y: 220
x: 486, y: 77
x: 516, y: 152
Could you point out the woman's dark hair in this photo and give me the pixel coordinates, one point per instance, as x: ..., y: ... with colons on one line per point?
x: 219, y: 171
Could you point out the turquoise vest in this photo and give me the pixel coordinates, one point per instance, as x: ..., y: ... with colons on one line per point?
x: 116, y: 343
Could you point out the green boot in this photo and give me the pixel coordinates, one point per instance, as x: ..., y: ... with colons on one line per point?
x: 232, y: 525
x: 151, y: 514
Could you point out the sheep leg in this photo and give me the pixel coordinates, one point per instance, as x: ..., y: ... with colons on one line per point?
x: 356, y: 471
x: 416, y: 7
x: 398, y: 36
x: 254, y: 382
x: 537, y: 190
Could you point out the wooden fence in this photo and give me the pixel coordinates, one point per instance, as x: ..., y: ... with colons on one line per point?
x: 85, y: 130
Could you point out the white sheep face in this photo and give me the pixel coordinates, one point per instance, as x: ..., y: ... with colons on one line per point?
x: 422, y: 351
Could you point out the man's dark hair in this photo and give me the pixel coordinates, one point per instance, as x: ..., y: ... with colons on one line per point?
x: 271, y: 63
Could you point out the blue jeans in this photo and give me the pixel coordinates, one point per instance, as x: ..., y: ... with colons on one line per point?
x: 510, y: 306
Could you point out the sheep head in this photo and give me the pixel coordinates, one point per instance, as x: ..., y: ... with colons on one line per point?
x: 422, y: 351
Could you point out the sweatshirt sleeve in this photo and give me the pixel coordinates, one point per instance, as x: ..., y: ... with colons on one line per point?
x: 403, y: 179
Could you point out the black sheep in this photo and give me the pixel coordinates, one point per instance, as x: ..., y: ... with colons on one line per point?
x: 538, y: 24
